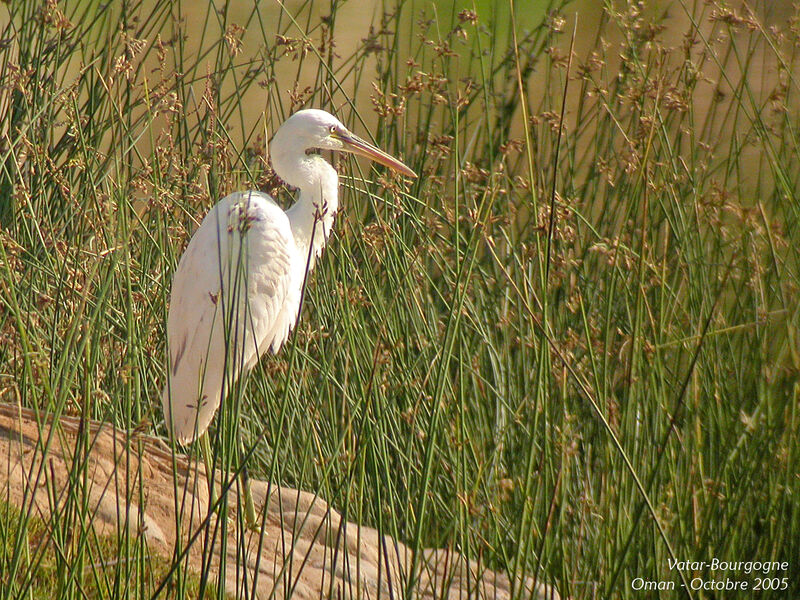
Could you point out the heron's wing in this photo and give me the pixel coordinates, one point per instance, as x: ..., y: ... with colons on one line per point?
x: 228, y: 304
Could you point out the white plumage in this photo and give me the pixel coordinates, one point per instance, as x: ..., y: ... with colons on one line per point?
x: 236, y: 292
x: 239, y: 276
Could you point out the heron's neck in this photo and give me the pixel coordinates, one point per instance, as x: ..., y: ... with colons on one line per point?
x: 311, y: 216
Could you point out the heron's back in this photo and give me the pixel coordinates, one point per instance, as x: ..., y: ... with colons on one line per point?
x: 234, y: 294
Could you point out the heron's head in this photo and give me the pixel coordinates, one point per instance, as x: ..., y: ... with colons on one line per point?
x: 314, y: 129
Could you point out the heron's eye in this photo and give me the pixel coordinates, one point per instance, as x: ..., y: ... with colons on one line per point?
x: 332, y: 128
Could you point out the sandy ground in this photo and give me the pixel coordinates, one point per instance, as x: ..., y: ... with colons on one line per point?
x: 306, y: 550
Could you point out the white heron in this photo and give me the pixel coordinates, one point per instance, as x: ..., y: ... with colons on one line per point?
x: 237, y: 289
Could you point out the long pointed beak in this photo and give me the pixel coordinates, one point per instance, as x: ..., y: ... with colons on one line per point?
x: 353, y: 143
